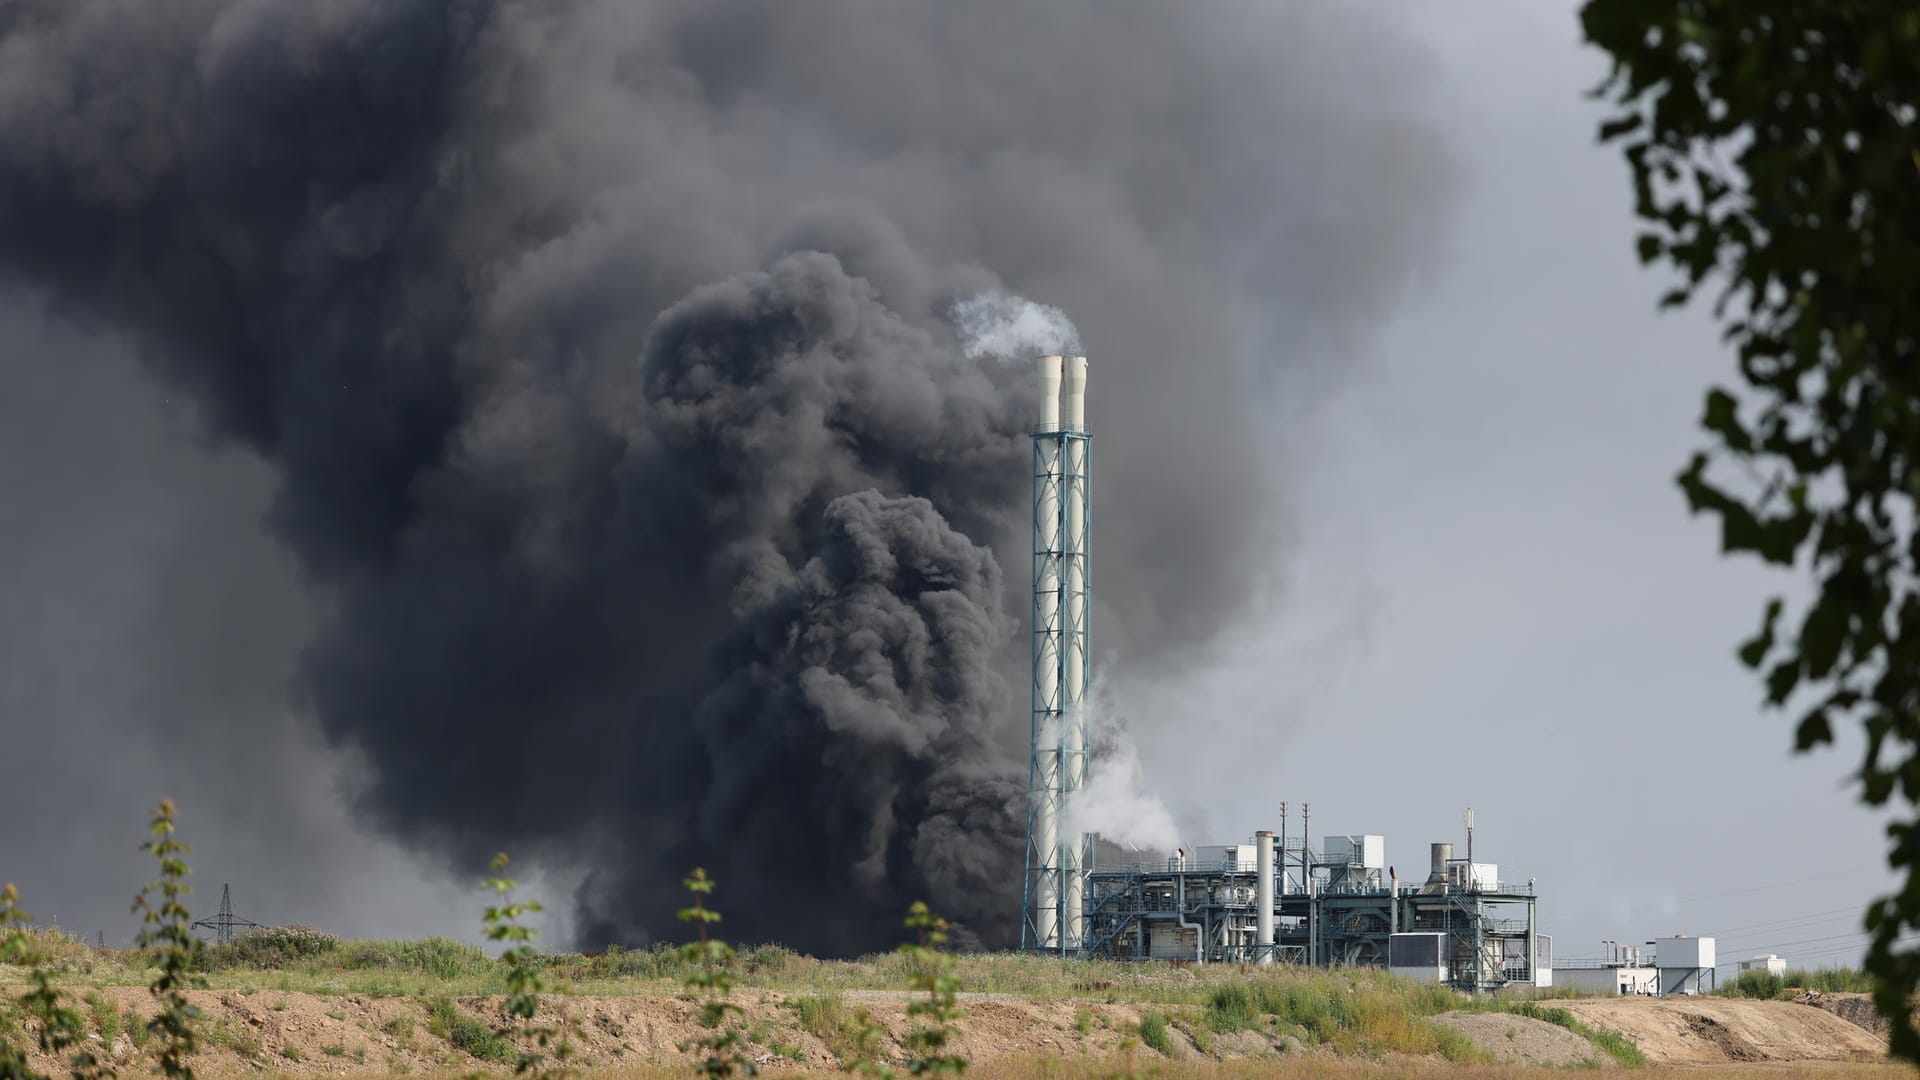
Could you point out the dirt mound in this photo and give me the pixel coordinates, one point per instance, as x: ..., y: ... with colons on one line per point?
x: 1522, y: 1040
x: 1718, y: 1031
x: 1853, y: 1008
x: 1731, y: 1046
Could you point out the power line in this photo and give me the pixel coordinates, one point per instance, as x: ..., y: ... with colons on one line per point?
x: 1558, y: 920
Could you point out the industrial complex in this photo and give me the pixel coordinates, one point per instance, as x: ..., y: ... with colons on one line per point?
x: 1277, y: 898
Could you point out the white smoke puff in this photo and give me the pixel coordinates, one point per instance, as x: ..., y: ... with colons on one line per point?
x: 1002, y: 324
x: 1115, y: 801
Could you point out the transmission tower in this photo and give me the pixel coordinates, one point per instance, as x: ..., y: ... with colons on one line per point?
x: 222, y: 924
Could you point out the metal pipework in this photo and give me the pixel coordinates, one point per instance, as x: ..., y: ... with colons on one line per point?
x: 1263, y: 894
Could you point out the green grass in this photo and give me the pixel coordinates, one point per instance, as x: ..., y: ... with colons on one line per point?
x: 827, y: 1018
x: 466, y: 1034
x: 1154, y: 1033
x: 1831, y: 980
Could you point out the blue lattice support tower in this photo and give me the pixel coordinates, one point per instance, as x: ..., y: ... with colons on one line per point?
x: 1053, y: 908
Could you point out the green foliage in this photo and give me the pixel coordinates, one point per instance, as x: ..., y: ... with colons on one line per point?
x: 827, y: 1018
x: 932, y: 1018
x: 502, y: 922
x: 176, y: 952
x: 1232, y: 1007
x: 1154, y: 1033
x: 465, y: 1034
x: 1775, y: 150
x: 1830, y: 980
x: 1763, y: 985
x: 723, y: 1049
x: 270, y: 948
x: 61, y: 1027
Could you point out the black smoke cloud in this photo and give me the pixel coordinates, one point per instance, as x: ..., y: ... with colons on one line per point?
x: 601, y: 353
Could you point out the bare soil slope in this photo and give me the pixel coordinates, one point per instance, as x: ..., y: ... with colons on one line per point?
x: 298, y: 1034
x: 1522, y: 1040
x: 1717, y: 1031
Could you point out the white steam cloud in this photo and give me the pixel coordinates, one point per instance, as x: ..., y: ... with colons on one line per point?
x: 1115, y: 802
x: 1002, y: 324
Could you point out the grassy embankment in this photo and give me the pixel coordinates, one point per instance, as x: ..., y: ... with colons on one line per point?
x: 1351, y: 1013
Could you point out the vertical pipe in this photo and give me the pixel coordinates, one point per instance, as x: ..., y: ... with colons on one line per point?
x: 1263, y: 894
x: 1533, y: 943
x: 1393, y: 900
x: 1045, y: 781
x: 1074, y: 543
x: 1283, y: 849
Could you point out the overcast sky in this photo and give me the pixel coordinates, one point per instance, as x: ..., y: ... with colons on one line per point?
x: 1500, y: 600
x: 1494, y: 598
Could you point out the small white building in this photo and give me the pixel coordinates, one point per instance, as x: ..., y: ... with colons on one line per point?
x: 1367, y: 851
x: 1609, y: 979
x: 1771, y: 964
x: 1685, y: 964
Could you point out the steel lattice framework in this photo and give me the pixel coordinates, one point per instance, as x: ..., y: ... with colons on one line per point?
x: 1053, y: 915
x: 224, y: 924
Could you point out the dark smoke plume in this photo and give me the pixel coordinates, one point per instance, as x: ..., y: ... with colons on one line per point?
x: 603, y: 353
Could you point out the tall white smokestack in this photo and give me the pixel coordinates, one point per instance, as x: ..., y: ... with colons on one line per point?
x: 1043, y: 843
x: 1073, y: 396
x: 1050, y: 392
x: 1263, y: 894
x: 1073, y: 643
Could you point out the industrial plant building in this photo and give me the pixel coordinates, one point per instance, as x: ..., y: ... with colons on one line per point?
x: 1274, y: 900
x: 1676, y: 965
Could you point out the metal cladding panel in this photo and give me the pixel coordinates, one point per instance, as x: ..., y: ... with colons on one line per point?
x: 1414, y: 950
x: 1172, y: 943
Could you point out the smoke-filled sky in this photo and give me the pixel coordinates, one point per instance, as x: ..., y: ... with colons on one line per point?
x: 434, y: 428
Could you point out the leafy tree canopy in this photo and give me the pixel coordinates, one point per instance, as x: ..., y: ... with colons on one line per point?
x: 1776, y: 167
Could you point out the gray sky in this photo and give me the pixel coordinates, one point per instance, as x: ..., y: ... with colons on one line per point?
x: 1499, y: 600
x: 1492, y: 596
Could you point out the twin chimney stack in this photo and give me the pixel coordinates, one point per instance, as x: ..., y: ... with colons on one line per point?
x: 1055, y: 901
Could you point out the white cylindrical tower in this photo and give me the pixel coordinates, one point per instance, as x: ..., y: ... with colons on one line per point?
x: 1073, y: 395
x: 1044, y: 784
x: 1073, y: 637
x: 1263, y: 894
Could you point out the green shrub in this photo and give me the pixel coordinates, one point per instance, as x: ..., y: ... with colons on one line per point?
x: 271, y: 948
x: 1763, y: 985
x: 1154, y: 1033
x: 1232, y: 1007
x: 1831, y: 980
x: 1456, y: 1047
x: 466, y: 1034
x: 827, y: 1018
